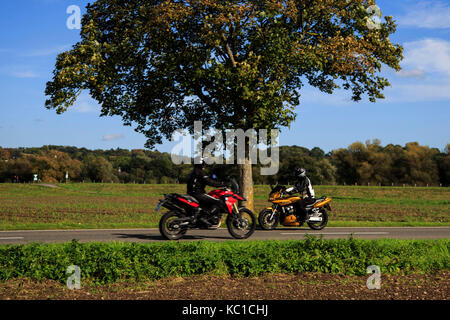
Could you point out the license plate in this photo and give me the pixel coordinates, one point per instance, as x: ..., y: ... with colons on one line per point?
x: 158, y: 206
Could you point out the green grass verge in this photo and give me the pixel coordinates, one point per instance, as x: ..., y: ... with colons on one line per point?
x: 91, y: 205
x: 104, y: 263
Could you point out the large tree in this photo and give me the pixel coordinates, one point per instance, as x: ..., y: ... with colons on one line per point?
x: 161, y: 65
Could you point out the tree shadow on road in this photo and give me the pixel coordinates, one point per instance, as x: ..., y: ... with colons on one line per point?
x: 285, y: 229
x: 151, y: 237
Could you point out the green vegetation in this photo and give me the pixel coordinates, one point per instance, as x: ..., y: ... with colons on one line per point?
x: 105, y: 263
x: 369, y: 164
x: 96, y: 205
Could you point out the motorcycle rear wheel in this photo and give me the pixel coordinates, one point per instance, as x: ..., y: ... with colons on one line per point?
x: 167, y: 227
x: 264, y: 222
x: 321, y: 224
x: 242, y: 225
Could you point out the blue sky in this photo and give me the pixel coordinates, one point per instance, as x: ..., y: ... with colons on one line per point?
x: 416, y: 108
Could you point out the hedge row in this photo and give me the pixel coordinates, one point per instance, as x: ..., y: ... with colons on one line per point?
x: 108, y: 262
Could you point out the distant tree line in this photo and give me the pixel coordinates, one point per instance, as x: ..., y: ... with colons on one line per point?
x: 361, y: 164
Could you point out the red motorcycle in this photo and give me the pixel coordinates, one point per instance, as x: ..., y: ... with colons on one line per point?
x: 241, y: 221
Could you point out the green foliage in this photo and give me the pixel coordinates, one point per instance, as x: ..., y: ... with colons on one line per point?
x: 359, y: 163
x: 109, y: 262
x: 371, y: 163
x: 239, y: 64
x: 119, y: 165
x: 98, y: 169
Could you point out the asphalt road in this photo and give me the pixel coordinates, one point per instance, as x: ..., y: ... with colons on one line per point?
x: 151, y: 235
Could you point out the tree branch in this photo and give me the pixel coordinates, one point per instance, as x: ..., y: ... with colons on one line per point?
x: 230, y: 53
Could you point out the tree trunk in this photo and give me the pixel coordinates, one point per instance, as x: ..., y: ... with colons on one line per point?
x: 246, y: 182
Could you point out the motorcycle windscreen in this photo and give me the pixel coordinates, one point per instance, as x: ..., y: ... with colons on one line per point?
x: 234, y: 186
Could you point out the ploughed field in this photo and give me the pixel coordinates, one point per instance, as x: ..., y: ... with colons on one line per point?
x: 303, y: 286
x: 88, y: 205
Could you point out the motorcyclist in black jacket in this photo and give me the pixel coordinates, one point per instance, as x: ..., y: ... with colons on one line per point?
x: 197, y: 181
x: 304, y: 187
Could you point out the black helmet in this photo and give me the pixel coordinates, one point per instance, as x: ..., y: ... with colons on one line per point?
x: 300, y: 172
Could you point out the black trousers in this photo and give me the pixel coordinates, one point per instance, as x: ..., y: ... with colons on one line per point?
x: 301, y: 205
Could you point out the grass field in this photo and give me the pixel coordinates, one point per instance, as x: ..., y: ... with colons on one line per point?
x: 27, y: 206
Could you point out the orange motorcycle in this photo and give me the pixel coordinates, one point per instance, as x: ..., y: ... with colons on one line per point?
x: 284, y: 211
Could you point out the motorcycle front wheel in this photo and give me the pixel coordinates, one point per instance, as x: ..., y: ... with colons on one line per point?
x: 241, y: 225
x: 264, y: 219
x: 169, y: 228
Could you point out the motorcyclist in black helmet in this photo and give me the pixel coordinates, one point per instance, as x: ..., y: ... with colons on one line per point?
x: 304, y: 187
x: 197, y: 181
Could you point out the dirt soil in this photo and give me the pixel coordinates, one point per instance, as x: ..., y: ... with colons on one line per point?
x: 304, y: 286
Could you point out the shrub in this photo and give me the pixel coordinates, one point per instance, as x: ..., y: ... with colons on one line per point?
x: 109, y: 262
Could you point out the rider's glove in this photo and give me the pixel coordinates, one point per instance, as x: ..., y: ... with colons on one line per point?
x: 290, y: 190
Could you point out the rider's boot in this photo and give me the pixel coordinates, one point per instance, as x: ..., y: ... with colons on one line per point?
x: 196, y: 215
x: 214, y: 212
x: 202, y: 215
x: 204, y: 220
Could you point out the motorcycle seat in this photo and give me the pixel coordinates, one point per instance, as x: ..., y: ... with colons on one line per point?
x: 190, y: 198
x: 316, y: 200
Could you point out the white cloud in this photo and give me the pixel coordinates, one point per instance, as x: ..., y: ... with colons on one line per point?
x: 428, y: 55
x: 427, y: 14
x: 426, y: 92
x: 427, y: 61
x: 47, y: 51
x: 411, y: 74
x: 404, y: 90
x: 84, y: 107
x: 37, y: 52
x: 85, y: 104
x: 311, y: 96
x: 24, y: 74
x: 18, y: 71
x: 112, y: 137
